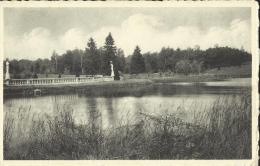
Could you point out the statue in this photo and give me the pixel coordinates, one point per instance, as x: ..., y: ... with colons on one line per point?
x: 7, y: 75
x: 112, y: 69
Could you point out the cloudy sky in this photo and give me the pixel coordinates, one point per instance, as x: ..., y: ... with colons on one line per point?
x: 33, y: 33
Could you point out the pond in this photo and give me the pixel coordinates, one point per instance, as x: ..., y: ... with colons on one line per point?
x: 162, y: 98
x: 132, y: 123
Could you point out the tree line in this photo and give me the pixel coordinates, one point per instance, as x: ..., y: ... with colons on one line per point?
x: 194, y: 60
x: 96, y: 61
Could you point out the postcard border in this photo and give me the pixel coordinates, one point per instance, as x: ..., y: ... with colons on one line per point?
x: 255, y: 69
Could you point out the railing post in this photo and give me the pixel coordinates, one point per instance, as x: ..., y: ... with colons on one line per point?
x: 7, y: 82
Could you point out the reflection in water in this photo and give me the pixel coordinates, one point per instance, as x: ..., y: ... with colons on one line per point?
x: 139, y: 108
x: 95, y: 123
x: 111, y: 112
x: 106, y: 112
x: 94, y: 116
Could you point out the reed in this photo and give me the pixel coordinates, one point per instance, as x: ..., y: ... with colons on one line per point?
x: 221, y: 132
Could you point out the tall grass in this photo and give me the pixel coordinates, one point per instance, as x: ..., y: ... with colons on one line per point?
x: 221, y: 132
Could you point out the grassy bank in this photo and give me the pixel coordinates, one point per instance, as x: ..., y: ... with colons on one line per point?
x: 221, y: 132
x: 196, y: 78
x: 129, y: 86
x: 243, y: 71
x: 132, y: 82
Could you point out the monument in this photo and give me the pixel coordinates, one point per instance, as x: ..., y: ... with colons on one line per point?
x: 112, y: 69
x: 7, y: 75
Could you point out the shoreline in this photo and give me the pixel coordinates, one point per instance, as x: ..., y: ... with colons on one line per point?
x: 117, y: 87
x: 198, y: 78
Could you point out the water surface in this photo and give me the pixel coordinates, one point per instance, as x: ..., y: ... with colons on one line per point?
x: 181, y: 99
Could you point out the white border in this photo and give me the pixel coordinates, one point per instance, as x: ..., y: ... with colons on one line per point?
x: 255, y: 69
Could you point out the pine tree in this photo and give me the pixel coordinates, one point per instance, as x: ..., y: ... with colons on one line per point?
x: 110, y: 45
x: 137, y: 62
x: 109, y: 55
x: 94, y: 58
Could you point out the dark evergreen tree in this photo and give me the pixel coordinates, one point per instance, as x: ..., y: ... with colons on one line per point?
x: 137, y: 62
x: 54, y: 61
x: 93, y: 57
x: 109, y: 55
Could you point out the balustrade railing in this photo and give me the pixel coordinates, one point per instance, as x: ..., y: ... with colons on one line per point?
x: 54, y: 81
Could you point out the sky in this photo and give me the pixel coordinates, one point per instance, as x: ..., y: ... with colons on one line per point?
x: 32, y: 33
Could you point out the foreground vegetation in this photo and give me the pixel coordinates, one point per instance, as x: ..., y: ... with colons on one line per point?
x: 221, y: 132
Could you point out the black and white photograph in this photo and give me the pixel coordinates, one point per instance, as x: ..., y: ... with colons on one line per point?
x: 134, y: 82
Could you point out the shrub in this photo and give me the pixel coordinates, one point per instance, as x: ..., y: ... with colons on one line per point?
x: 183, y: 67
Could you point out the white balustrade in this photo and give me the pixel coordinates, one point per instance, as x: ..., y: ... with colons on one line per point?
x: 58, y: 81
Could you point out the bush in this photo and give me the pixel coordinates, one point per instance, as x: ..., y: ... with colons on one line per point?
x: 184, y: 67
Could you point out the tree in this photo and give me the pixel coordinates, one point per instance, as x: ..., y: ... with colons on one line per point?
x: 109, y: 55
x: 110, y: 45
x: 37, y: 66
x: 151, y: 62
x: 76, y: 62
x: 196, y: 67
x: 119, y: 63
x: 97, y: 60
x: 61, y: 65
x: 92, y: 45
x: 120, y: 56
x: 93, y: 56
x: 184, y: 67
x: 24, y: 66
x: 68, y: 61
x: 54, y: 61
x: 137, y: 62
x: 166, y: 59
